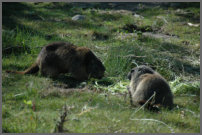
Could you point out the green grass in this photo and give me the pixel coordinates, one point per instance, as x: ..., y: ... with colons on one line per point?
x: 33, y: 103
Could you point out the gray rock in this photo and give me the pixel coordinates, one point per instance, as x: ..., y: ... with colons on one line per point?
x: 138, y: 16
x: 78, y: 17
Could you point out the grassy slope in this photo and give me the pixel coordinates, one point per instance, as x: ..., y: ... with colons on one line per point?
x: 103, y: 110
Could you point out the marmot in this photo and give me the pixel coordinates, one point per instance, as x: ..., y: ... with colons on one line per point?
x: 64, y: 57
x: 144, y: 81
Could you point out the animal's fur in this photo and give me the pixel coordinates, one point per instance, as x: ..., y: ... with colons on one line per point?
x: 144, y: 82
x: 63, y: 57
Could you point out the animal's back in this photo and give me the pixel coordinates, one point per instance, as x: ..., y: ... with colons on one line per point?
x: 59, y: 48
x: 57, y: 57
x: 149, y: 83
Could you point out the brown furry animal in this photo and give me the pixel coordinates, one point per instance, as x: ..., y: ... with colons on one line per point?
x: 62, y: 57
x: 144, y: 82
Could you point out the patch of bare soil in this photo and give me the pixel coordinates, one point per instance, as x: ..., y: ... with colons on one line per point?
x: 160, y: 35
x: 146, y: 34
x: 58, y: 92
x: 132, y: 30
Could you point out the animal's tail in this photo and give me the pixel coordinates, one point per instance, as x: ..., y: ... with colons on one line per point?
x: 31, y: 70
x: 150, y: 106
x: 151, y: 103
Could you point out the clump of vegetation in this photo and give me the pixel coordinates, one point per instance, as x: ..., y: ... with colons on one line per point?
x: 189, y: 88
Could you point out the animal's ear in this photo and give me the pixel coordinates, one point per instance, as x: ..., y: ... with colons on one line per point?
x: 147, y: 70
x: 143, y: 69
x: 53, y: 46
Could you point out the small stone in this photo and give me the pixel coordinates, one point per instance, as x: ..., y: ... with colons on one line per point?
x: 138, y: 16
x: 78, y: 17
x: 193, y: 25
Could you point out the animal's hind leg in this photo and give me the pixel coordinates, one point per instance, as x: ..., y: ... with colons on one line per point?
x: 49, y: 71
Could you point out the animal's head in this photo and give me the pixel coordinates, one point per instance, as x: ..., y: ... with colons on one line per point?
x: 140, y: 70
x: 94, y: 66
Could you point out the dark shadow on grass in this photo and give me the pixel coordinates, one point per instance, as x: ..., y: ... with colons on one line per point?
x: 156, y: 58
x: 12, y: 12
x: 172, y: 48
x: 14, y: 67
x: 187, y: 12
x: 9, y: 10
x: 64, y: 81
x: 163, y: 46
x: 192, y: 17
x: 15, y: 50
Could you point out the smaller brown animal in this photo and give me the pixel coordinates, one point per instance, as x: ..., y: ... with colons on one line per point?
x: 144, y: 82
x: 63, y: 57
